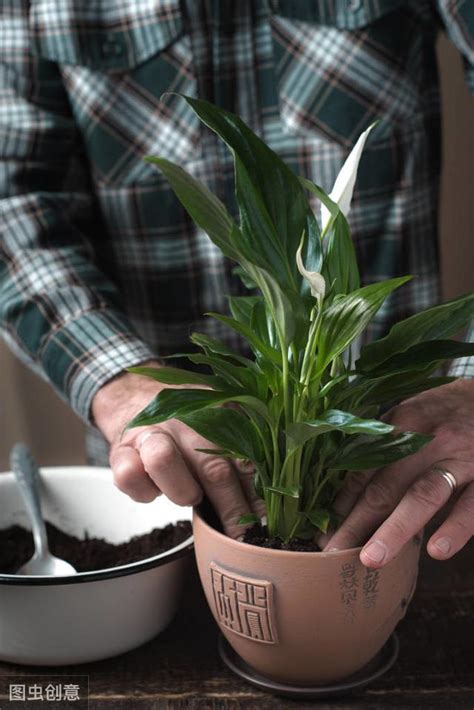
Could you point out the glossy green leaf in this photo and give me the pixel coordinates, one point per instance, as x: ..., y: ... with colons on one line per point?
x: 242, y: 307
x: 290, y: 491
x: 177, y: 376
x: 248, y: 518
x: 172, y: 403
x: 421, y: 354
x: 340, y: 263
x: 320, y: 518
x: 234, y: 375
x: 434, y: 323
x: 369, y: 452
x: 339, y: 267
x: 334, y: 419
x: 229, y: 430
x: 244, y: 277
x: 398, y: 387
x: 349, y: 315
x: 273, y: 208
x: 213, y: 345
x: 255, y: 343
x: 223, y: 453
x: 203, y: 207
x: 283, y: 313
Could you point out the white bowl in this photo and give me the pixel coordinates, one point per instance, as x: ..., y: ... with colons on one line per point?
x: 90, y: 615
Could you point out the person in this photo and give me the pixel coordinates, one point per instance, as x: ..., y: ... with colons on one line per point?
x: 101, y: 269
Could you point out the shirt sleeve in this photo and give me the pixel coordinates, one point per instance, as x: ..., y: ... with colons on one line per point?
x: 457, y: 17
x: 464, y: 366
x: 58, y: 311
x: 458, y: 21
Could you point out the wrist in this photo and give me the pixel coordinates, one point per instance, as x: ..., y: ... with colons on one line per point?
x: 123, y: 396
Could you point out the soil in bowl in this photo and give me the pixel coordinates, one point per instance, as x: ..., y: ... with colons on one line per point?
x: 89, y: 554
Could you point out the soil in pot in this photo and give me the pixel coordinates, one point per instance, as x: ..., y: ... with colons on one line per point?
x: 89, y: 554
x: 256, y: 535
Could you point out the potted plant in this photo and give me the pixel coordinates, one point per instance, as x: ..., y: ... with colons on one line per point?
x: 306, y: 413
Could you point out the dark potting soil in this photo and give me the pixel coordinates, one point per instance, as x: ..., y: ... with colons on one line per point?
x: 90, y: 554
x: 256, y: 536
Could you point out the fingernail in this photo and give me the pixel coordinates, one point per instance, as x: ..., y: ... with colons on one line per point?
x: 375, y: 551
x: 443, y: 544
x: 333, y: 549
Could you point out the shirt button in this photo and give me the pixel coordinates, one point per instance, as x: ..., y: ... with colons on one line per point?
x: 112, y: 48
x: 354, y: 5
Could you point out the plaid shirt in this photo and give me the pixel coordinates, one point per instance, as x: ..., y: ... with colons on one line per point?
x: 100, y: 267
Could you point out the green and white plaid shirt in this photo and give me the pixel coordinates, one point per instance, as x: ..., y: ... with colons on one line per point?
x: 100, y: 267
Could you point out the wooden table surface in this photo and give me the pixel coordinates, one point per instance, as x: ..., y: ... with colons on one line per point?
x: 181, y: 667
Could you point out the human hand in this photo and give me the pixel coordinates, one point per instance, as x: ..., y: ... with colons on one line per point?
x: 149, y: 460
x: 394, y: 503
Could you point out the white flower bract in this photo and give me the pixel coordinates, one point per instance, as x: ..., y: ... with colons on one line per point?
x: 314, y: 278
x: 344, y: 186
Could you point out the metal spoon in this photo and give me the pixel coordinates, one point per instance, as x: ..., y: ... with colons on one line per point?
x: 27, y: 475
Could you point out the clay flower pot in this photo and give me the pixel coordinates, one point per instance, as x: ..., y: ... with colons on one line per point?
x: 306, y: 618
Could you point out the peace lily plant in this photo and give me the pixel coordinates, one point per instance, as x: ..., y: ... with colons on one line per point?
x: 307, y: 413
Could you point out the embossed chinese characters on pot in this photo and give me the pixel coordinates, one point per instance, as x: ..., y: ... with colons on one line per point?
x: 301, y: 617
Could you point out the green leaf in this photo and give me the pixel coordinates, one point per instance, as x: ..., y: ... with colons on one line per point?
x: 340, y: 262
x: 172, y: 403
x: 291, y: 491
x: 334, y: 419
x: 349, y: 315
x: 248, y: 518
x: 320, y: 518
x: 242, y: 307
x: 224, y: 453
x: 244, y: 277
x: 273, y: 207
x: 229, y: 430
x: 366, y: 452
x: 213, y: 345
x: 434, y: 323
x: 386, y: 389
x: 398, y: 387
x: 421, y: 354
x: 177, y: 376
x: 279, y: 304
x: 203, y: 207
x: 250, y: 380
x: 256, y: 344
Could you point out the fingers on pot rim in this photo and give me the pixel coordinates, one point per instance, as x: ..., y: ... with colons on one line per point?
x: 426, y: 495
x: 458, y: 528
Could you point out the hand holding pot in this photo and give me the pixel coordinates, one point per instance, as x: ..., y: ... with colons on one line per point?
x: 150, y: 460
x: 397, y: 501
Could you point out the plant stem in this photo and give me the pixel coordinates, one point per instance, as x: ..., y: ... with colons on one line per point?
x: 308, y: 361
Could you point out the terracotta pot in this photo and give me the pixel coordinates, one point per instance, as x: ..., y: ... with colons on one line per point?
x: 301, y: 617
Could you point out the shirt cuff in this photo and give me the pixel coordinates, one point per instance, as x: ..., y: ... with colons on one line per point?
x: 86, y: 352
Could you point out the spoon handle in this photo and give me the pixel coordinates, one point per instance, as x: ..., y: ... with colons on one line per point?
x: 26, y: 472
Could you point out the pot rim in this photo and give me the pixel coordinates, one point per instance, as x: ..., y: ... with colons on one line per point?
x: 197, y: 512
x: 174, y: 553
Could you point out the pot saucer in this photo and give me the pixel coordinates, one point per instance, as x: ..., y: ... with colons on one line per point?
x: 379, y: 665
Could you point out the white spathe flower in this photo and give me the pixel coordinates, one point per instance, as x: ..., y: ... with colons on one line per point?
x: 314, y: 278
x: 344, y: 186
